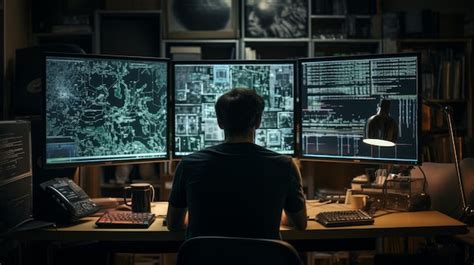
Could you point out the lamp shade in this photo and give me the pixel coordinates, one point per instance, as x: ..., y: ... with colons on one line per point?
x: 381, y: 129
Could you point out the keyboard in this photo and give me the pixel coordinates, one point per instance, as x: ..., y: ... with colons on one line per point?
x: 125, y: 220
x: 344, y: 218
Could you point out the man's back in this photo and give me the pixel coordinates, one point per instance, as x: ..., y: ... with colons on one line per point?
x: 236, y: 189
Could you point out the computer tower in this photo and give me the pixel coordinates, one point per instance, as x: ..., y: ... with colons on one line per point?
x: 16, y: 200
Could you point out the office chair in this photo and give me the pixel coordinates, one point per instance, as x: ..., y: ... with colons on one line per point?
x: 443, y: 187
x: 236, y: 250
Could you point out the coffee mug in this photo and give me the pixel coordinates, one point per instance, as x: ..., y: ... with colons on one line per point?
x: 142, y: 195
x: 358, y: 201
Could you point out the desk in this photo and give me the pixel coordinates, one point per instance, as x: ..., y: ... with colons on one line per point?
x: 404, y: 224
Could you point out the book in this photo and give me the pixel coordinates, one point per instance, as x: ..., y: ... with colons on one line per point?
x: 425, y: 118
x: 250, y: 54
x: 446, y: 80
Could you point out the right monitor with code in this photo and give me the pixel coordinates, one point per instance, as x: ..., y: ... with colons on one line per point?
x: 339, y: 94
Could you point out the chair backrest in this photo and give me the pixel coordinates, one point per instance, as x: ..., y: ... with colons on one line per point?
x: 443, y: 186
x: 236, y: 250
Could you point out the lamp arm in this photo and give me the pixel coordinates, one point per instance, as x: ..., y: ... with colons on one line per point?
x: 467, y: 211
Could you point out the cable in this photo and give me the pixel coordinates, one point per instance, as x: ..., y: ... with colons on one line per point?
x: 424, y: 177
x: 386, y: 213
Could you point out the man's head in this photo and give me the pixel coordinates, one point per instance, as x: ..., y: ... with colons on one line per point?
x: 239, y: 111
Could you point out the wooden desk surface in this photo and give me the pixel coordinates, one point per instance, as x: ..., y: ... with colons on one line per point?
x: 425, y: 223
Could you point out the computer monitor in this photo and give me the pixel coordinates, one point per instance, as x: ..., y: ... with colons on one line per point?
x: 104, y: 109
x: 198, y: 85
x: 339, y: 94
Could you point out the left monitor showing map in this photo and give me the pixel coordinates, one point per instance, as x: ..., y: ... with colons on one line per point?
x: 104, y: 109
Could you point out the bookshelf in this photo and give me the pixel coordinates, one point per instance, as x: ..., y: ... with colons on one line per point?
x: 446, y: 81
x: 344, y: 28
x: 335, y: 27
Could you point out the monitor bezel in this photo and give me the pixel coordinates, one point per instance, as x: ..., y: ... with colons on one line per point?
x: 233, y: 62
x: 362, y: 159
x: 104, y: 162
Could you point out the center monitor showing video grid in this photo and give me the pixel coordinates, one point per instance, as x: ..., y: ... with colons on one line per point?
x: 198, y: 85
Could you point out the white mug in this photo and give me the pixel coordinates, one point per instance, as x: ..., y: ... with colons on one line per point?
x: 358, y: 201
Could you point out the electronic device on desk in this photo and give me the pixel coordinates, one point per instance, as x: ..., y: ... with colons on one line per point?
x: 398, y: 192
x: 16, y: 200
x: 104, y: 109
x: 198, y: 85
x: 330, y: 195
x: 68, y: 201
x: 122, y: 219
x: 344, y: 218
x: 333, y: 89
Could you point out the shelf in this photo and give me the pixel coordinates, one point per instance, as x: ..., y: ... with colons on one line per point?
x: 166, y: 41
x: 275, y: 40
x: 446, y: 101
x: 374, y: 41
x: 340, y: 16
x: 421, y: 40
x: 460, y: 131
x: 61, y: 34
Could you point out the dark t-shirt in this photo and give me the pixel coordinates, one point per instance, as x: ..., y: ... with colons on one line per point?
x: 236, y: 189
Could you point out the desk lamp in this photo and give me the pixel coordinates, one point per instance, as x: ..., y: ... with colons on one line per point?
x: 467, y: 211
x: 381, y: 129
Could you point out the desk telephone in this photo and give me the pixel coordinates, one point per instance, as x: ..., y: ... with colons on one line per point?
x: 70, y: 200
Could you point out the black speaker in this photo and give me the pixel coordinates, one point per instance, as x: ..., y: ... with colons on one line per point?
x: 26, y: 92
x: 419, y: 202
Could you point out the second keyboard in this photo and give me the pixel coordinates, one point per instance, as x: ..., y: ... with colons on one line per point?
x: 344, y: 218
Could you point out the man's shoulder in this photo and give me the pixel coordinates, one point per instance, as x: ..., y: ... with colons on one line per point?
x: 225, y: 150
x: 201, y: 155
x: 270, y: 154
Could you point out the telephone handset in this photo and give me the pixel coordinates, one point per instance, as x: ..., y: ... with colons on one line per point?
x: 71, y: 201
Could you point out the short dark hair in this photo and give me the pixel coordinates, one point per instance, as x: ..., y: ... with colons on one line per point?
x: 239, y: 110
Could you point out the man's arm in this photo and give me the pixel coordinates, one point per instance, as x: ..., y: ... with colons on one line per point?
x: 177, y: 203
x: 176, y: 218
x: 297, y: 220
x: 295, y: 205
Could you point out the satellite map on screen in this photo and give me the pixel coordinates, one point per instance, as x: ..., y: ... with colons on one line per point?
x: 105, y: 109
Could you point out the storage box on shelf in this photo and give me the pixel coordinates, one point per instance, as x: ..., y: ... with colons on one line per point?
x: 211, y: 49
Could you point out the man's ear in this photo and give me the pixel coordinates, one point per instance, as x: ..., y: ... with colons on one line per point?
x: 219, y: 122
x: 258, y: 123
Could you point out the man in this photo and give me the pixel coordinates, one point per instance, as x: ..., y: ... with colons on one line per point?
x: 237, y: 188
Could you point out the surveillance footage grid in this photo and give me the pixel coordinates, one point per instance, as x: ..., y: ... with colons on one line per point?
x: 100, y: 109
x: 198, y: 86
x: 338, y: 96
